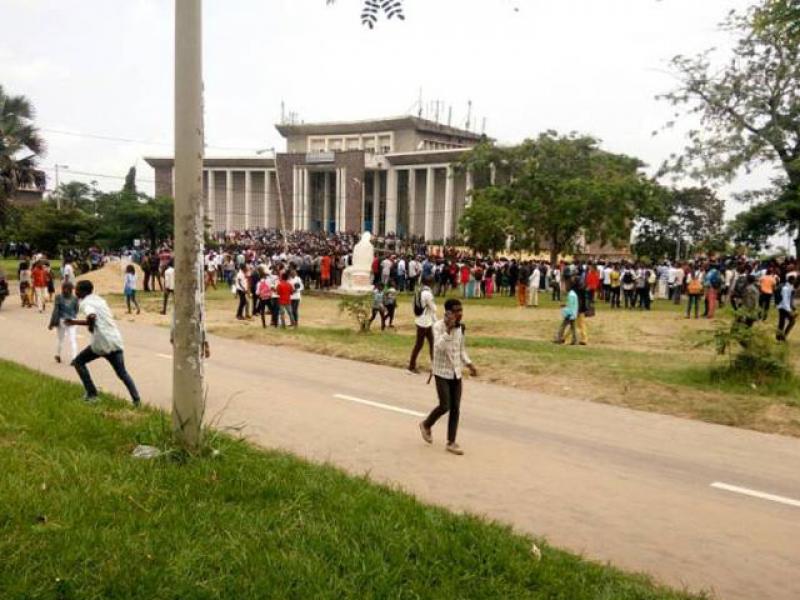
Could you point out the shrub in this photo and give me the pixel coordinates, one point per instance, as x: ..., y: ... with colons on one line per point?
x: 360, y: 308
x: 752, y: 352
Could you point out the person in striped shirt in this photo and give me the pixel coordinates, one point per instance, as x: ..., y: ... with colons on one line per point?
x: 449, y: 359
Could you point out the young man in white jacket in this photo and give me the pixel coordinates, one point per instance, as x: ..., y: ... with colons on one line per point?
x: 533, y: 286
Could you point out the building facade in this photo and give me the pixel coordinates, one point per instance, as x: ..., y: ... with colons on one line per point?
x: 397, y: 175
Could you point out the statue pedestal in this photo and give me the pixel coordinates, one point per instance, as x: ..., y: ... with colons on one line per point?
x: 356, y: 281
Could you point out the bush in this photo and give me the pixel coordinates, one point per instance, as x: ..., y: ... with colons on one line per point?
x: 360, y: 308
x: 752, y: 352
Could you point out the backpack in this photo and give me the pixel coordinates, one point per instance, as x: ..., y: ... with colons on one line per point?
x: 695, y: 286
x: 418, y: 308
x: 627, y: 277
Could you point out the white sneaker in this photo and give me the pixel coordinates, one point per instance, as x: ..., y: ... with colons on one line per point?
x: 454, y: 449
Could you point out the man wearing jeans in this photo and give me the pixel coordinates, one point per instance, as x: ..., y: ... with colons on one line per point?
x: 424, y: 322
x: 449, y: 359
x: 106, y: 342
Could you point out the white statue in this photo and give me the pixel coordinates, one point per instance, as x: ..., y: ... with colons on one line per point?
x: 357, y: 278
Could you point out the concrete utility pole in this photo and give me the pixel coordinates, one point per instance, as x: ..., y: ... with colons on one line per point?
x: 187, y: 366
x: 58, y: 197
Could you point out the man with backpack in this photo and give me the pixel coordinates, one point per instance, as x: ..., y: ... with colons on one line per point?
x: 425, y: 317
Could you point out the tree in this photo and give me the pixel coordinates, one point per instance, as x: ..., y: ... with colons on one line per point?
x: 486, y: 222
x: 681, y: 222
x: 559, y: 189
x: 52, y: 230
x: 130, y: 182
x: 372, y: 8
x: 749, y: 112
x: 123, y: 218
x: 20, y: 147
x: 75, y: 194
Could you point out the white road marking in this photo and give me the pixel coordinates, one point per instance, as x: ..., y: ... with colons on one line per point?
x: 755, y: 494
x: 168, y: 356
x: 397, y: 409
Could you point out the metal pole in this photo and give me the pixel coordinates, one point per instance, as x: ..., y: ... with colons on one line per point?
x: 187, y: 366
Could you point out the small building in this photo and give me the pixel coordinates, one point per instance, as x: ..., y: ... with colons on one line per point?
x: 396, y: 175
x: 31, y: 193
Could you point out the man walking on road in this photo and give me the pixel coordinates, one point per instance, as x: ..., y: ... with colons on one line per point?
x: 106, y: 342
x: 449, y: 359
x: 425, y: 312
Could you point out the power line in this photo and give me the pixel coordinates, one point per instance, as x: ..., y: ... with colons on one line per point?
x: 102, y: 175
x: 110, y: 138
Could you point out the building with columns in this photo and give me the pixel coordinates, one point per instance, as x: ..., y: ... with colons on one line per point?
x: 395, y: 175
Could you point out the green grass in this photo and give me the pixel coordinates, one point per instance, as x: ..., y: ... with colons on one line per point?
x: 9, y: 266
x: 80, y: 518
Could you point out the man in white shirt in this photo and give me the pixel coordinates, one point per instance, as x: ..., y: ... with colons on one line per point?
x: 423, y: 321
x: 449, y: 359
x: 533, y: 286
x: 169, y: 285
x: 297, y: 285
x: 68, y: 272
x: 106, y: 342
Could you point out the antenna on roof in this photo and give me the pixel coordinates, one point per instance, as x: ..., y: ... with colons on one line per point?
x: 419, y: 110
x: 437, y: 111
x: 450, y: 115
x: 283, y: 113
x: 483, y: 126
x: 469, y: 114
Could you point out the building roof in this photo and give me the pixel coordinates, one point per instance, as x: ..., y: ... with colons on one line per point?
x: 375, y: 125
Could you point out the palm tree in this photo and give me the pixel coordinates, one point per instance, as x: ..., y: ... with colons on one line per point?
x: 369, y: 15
x: 20, y: 147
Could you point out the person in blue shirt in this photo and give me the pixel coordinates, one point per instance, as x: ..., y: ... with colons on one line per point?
x: 786, y: 309
x: 569, y: 314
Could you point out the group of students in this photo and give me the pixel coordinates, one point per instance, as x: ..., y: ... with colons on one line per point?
x: 270, y: 289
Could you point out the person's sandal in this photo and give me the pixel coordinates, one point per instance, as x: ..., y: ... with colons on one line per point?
x: 426, y: 433
x: 454, y: 448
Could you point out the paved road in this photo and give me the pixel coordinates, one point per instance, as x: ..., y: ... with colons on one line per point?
x: 628, y: 487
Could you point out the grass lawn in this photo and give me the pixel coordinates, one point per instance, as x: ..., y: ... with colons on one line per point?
x: 9, y: 266
x: 80, y: 518
x: 643, y: 360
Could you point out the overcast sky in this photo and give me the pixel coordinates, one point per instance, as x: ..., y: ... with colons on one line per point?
x: 104, y: 68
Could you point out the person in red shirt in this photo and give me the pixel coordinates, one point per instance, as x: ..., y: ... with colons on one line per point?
x: 39, y: 279
x: 592, y: 284
x: 285, y: 291
x: 325, y: 271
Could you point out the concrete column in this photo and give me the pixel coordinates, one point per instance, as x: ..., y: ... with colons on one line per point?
x: 429, y: 189
x: 295, y: 196
x: 449, y: 202
x: 267, y: 195
x: 228, y: 199
x: 376, y: 202
x: 306, y: 199
x: 391, y: 200
x: 326, y: 200
x: 248, y: 201
x: 469, y: 188
x: 212, y: 200
x: 342, y: 223
x: 412, y: 201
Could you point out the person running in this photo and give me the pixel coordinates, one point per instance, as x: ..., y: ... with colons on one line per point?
x: 767, y: 285
x: 68, y: 272
x: 449, y: 359
x: 65, y: 307
x: 390, y: 302
x: 129, y: 289
x: 786, y: 309
x: 378, y: 308
x: 425, y: 312
x: 25, y: 285
x: 106, y: 342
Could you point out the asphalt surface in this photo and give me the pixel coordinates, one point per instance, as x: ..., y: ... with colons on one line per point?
x: 696, y: 505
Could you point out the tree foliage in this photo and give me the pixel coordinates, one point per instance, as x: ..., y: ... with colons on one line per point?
x: 486, y: 222
x: 558, y: 190
x: 748, y: 111
x: 681, y: 223
x: 372, y: 9
x: 20, y: 147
